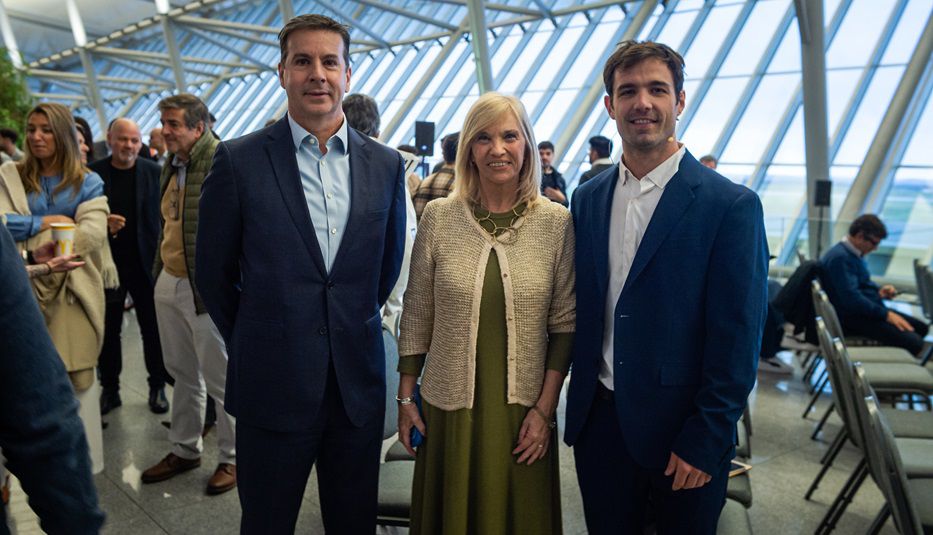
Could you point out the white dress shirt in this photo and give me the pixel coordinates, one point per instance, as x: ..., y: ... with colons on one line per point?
x: 633, y: 205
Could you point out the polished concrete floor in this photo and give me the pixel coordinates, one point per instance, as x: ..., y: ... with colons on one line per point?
x: 784, y: 460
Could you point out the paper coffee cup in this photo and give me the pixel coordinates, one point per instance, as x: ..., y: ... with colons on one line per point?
x: 63, y: 234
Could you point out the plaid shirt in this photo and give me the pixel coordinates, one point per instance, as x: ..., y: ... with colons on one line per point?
x: 435, y: 186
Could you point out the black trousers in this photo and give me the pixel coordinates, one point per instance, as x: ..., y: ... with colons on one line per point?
x: 273, y: 469
x: 618, y: 492
x: 136, y: 282
x: 888, y: 334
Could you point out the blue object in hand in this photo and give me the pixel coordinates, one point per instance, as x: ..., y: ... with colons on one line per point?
x: 416, y: 437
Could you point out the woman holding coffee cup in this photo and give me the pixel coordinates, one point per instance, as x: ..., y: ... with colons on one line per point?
x: 489, y: 316
x: 51, y: 188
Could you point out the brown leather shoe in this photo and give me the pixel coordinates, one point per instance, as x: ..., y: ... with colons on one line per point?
x: 169, y: 467
x: 224, y: 479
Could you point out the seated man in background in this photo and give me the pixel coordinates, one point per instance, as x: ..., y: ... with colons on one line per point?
x: 859, y: 301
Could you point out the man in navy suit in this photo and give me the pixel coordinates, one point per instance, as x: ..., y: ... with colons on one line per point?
x: 858, y: 300
x: 669, y: 326
x: 301, y: 239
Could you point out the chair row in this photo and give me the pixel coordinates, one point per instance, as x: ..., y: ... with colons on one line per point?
x: 856, y: 388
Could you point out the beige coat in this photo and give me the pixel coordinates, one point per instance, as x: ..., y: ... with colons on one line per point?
x: 440, y: 316
x: 73, y: 302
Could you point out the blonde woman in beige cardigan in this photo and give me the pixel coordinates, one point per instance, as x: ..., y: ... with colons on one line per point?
x: 51, y: 185
x: 489, y: 318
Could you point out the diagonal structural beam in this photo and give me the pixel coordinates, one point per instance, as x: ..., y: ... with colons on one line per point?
x: 224, y: 46
x: 584, y: 102
x: 709, y: 77
x: 385, y: 6
x: 9, y: 40
x: 327, y: 4
x: 287, y: 9
x: 416, y: 92
x: 476, y: 13
x: 882, y: 144
x: 190, y: 20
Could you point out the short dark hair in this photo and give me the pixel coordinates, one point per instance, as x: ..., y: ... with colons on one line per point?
x: 9, y: 134
x: 708, y: 158
x: 449, y: 147
x: 194, y: 108
x: 211, y: 117
x: 314, y: 22
x: 546, y: 145
x: 362, y: 113
x: 630, y: 53
x: 869, y: 225
x: 602, y: 145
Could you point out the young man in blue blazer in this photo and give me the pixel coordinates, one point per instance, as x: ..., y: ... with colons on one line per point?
x: 669, y: 325
x: 858, y: 300
x: 300, y: 241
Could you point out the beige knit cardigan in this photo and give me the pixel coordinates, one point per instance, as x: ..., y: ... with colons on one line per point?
x: 440, y: 315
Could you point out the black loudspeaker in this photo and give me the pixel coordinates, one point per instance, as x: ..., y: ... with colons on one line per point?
x: 424, y: 138
x: 823, y: 193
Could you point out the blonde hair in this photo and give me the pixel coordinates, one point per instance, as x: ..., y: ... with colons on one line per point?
x: 490, y: 109
x: 67, y: 156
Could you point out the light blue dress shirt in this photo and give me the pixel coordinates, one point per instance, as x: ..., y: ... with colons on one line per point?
x: 325, y: 179
x: 49, y: 202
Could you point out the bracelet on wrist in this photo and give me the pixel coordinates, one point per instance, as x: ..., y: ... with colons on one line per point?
x: 405, y: 401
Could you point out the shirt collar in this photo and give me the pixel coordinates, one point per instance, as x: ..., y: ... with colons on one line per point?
x: 337, y: 142
x: 852, y: 249
x: 660, y: 175
x: 178, y: 163
x: 601, y: 161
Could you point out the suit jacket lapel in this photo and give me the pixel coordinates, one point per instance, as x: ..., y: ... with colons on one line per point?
x: 600, y: 225
x: 359, y: 151
x: 281, y: 151
x: 677, y: 196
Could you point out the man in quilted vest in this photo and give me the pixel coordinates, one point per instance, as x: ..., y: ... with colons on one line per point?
x: 192, y: 347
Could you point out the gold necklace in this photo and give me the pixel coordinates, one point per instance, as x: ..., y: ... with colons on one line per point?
x: 486, y: 221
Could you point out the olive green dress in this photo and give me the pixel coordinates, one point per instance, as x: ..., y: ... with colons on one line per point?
x: 466, y: 478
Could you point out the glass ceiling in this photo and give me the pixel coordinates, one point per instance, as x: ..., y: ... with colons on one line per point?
x: 743, y: 88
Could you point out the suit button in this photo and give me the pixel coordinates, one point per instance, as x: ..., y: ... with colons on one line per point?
x: 330, y: 284
x: 322, y: 331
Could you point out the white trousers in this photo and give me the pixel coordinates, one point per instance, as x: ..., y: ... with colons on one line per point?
x: 195, y: 355
x: 89, y: 412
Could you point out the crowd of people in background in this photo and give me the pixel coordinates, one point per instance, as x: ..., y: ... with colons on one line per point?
x: 263, y: 269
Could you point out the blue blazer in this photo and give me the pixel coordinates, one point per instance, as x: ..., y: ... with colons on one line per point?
x: 848, y: 284
x: 688, y: 323
x: 262, y: 277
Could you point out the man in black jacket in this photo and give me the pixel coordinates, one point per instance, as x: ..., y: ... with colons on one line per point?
x: 132, y: 188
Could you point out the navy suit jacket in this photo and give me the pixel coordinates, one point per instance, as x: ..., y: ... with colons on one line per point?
x: 688, y: 323
x: 262, y: 277
x: 148, y: 197
x: 848, y: 284
x: 41, y: 435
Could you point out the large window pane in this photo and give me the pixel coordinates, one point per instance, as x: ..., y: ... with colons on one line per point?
x: 760, y: 119
x: 908, y: 214
x: 751, y: 43
x: 709, y: 39
x: 858, y: 33
x: 714, y: 110
x: 905, y: 37
x: 869, y: 115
